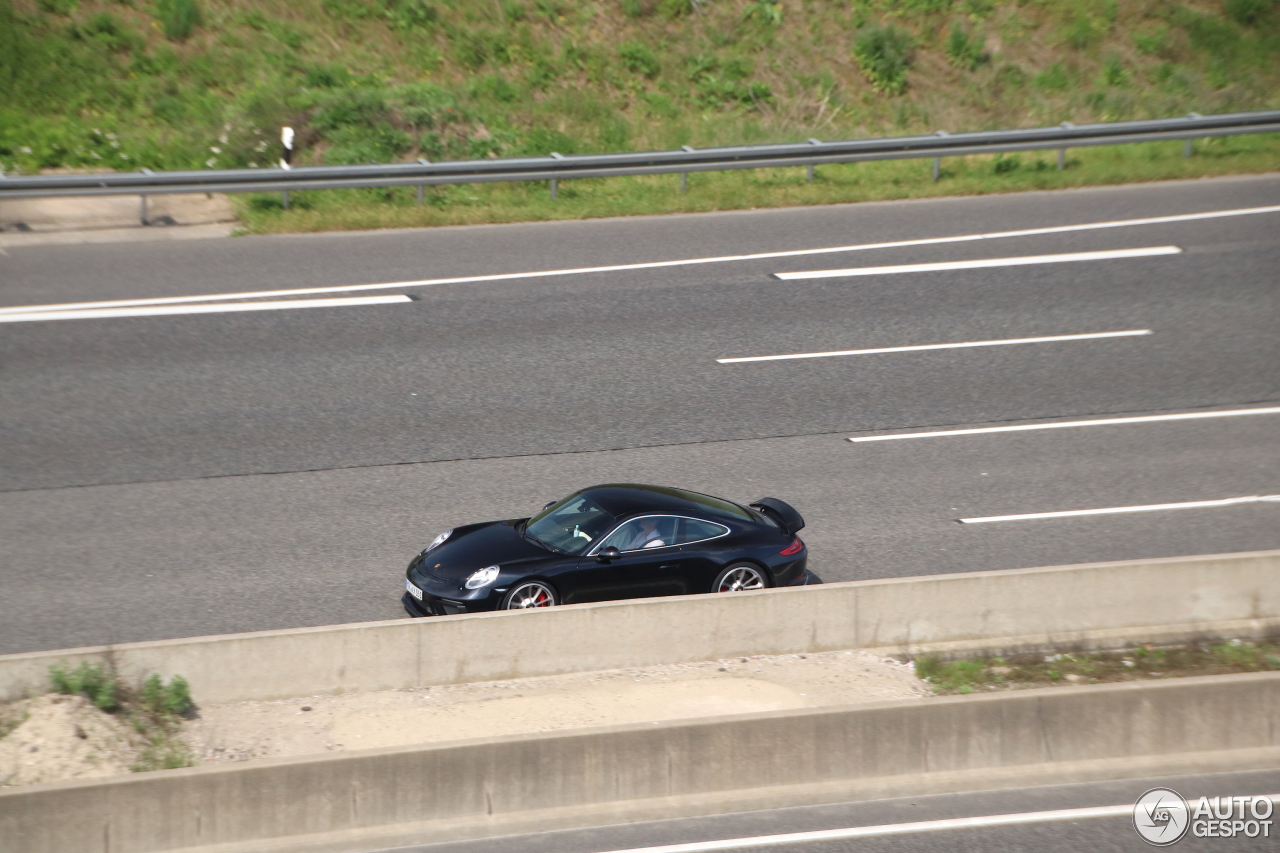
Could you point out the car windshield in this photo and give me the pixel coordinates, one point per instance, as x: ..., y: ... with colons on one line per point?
x: 569, y: 526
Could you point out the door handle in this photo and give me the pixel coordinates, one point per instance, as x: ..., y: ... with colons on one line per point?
x: 672, y: 566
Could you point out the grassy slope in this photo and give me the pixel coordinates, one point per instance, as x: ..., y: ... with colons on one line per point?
x: 98, y: 83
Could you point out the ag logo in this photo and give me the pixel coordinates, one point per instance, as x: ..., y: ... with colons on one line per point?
x: 1161, y: 816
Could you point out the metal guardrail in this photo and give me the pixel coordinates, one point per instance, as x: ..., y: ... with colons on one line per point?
x: 558, y: 167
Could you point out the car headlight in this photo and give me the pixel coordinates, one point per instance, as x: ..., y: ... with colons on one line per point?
x: 438, y: 541
x: 483, y: 577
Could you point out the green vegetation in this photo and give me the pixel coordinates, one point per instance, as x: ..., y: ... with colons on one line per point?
x: 884, y: 53
x: 155, y: 709
x: 179, y: 18
x: 708, y: 191
x: 1136, y: 664
x: 10, y: 719
x: 965, y: 51
x: 177, y: 84
x: 92, y: 681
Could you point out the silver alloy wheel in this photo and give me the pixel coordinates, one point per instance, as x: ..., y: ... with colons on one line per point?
x: 739, y: 579
x: 529, y: 595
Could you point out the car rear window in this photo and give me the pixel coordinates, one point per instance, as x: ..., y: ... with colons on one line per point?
x: 717, y: 505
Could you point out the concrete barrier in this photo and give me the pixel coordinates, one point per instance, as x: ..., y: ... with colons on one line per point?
x: 382, y: 798
x: 1089, y: 606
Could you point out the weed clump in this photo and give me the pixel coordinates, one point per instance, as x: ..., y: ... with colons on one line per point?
x: 178, y: 18
x: 158, y: 698
x: 966, y: 51
x: 92, y: 681
x: 639, y: 59
x: 767, y: 11
x: 883, y: 53
x: 1006, y: 163
x: 957, y: 676
x: 1248, y: 12
x: 155, y: 709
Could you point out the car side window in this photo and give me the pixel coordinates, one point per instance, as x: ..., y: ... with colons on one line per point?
x: 692, y: 530
x: 638, y: 534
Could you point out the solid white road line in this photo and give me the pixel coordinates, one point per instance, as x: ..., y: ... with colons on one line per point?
x: 922, y: 347
x: 859, y: 247
x: 1073, y: 257
x: 100, y: 313
x: 895, y: 829
x: 1141, y: 419
x: 1116, y: 510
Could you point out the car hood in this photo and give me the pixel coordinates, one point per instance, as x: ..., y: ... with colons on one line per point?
x: 493, y: 543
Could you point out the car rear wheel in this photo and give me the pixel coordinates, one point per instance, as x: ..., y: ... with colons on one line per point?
x: 529, y: 595
x: 740, y: 578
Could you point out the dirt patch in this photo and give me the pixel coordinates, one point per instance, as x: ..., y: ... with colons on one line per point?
x: 88, y: 212
x: 63, y: 737
x: 240, y: 731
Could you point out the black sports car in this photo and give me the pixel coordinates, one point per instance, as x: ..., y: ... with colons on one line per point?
x: 608, y: 542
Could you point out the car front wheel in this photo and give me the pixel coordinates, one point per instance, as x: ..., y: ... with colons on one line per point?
x: 528, y: 595
x: 739, y: 578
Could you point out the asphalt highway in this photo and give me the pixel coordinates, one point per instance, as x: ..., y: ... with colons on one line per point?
x: 1114, y: 834
x: 174, y: 475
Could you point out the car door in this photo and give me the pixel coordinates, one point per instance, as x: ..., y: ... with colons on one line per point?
x: 648, y: 565
x: 701, y: 552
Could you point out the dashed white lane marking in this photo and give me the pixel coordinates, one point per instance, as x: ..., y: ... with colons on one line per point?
x: 1140, y: 419
x: 1045, y: 340
x: 860, y: 247
x: 895, y: 829
x: 152, y: 311
x: 1116, y: 510
x: 1027, y: 260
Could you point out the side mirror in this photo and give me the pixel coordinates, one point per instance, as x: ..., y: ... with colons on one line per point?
x: 608, y: 554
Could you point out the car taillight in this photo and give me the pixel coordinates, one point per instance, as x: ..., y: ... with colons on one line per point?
x: 794, y: 548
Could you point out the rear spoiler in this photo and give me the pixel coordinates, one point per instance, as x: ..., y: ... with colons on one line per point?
x: 781, y: 512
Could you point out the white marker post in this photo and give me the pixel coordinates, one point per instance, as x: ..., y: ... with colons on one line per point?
x: 286, y: 140
x: 286, y: 158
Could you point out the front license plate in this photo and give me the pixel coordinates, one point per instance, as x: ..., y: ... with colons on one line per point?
x: 413, y: 590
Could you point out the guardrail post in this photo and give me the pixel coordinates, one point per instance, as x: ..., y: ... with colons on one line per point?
x: 684, y: 176
x: 284, y: 199
x: 143, y: 212
x: 813, y: 141
x: 424, y: 161
x: 1062, y: 152
x: 419, y: 193
x: 937, y: 161
x: 1186, y: 149
x: 557, y: 156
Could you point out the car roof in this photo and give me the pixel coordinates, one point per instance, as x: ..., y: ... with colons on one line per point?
x: 624, y: 499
